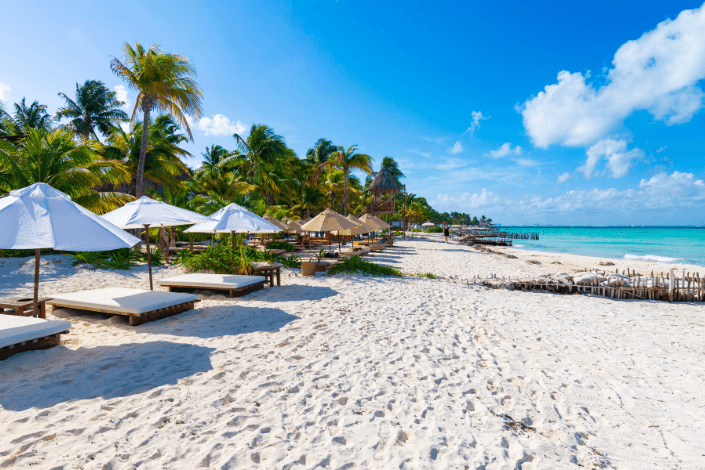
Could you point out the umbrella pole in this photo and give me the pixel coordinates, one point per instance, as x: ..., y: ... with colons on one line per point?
x: 232, y: 238
x: 149, y: 256
x: 35, y: 305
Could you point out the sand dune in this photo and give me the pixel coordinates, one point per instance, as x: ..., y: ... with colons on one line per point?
x: 351, y: 372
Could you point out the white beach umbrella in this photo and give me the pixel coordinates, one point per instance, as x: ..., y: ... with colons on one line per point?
x: 40, y: 216
x: 428, y: 224
x: 234, y: 219
x: 147, y: 212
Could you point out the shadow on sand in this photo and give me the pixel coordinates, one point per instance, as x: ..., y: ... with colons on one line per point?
x: 102, y: 371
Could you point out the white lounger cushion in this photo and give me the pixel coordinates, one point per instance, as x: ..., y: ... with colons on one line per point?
x: 215, y: 281
x: 15, y: 329
x: 122, y: 300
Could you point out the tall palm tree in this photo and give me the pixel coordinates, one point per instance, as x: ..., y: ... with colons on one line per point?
x: 34, y: 116
x: 347, y: 160
x: 164, y: 82
x: 162, y: 163
x: 212, y: 157
x: 95, y: 107
x: 53, y: 157
x: 264, y: 159
x: 318, y: 155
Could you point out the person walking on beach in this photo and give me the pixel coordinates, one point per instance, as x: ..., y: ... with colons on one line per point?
x: 446, y: 233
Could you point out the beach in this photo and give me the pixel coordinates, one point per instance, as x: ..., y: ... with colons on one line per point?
x: 349, y: 371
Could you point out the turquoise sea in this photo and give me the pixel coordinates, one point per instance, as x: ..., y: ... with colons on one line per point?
x: 681, y: 245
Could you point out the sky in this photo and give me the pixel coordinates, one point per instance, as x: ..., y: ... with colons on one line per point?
x: 564, y: 113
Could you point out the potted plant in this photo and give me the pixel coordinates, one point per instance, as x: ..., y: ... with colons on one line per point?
x: 320, y: 267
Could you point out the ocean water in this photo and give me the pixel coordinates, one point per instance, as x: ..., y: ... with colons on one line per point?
x: 680, y: 245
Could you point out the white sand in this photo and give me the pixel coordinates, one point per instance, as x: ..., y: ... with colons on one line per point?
x: 350, y: 372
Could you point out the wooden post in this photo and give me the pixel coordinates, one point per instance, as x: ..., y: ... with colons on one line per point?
x: 232, y: 239
x: 35, y: 304
x: 149, y: 255
x: 671, y: 279
x: 403, y: 223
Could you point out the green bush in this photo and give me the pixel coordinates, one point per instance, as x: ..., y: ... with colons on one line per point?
x: 293, y: 261
x: 124, y: 258
x: 355, y: 264
x: 416, y: 230
x: 276, y: 245
x: 430, y: 276
x: 95, y: 258
x: 434, y: 230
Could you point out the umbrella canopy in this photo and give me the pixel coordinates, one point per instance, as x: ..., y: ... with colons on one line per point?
x: 327, y: 221
x: 40, y: 216
x: 234, y: 219
x: 147, y: 211
x: 293, y: 227
x: 274, y: 222
x: 428, y: 224
x: 371, y: 221
x: 381, y: 223
x: 361, y: 227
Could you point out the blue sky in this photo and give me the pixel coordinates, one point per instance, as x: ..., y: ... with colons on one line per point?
x: 527, y: 112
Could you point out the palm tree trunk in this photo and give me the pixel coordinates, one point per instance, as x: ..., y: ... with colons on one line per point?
x: 143, y: 154
x: 345, y: 170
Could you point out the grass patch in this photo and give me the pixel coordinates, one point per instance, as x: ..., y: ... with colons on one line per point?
x: 355, y: 264
x: 430, y: 276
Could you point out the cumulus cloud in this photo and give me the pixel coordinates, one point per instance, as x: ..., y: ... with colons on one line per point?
x: 477, y: 117
x: 484, y: 200
x: 615, y: 152
x: 456, y: 148
x: 3, y: 88
x: 675, y: 181
x: 661, y: 149
x: 504, y: 150
x: 451, y: 164
x: 658, y: 73
x: 563, y: 178
x: 218, y: 125
x: 121, y: 93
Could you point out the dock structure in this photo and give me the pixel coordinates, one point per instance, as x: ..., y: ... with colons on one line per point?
x: 491, y: 236
x: 629, y: 284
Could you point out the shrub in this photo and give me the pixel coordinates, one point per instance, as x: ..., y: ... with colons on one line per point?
x: 96, y: 258
x: 124, y: 258
x: 416, y: 230
x: 293, y: 261
x: 182, y: 256
x: 355, y: 264
x: 277, y: 245
x: 434, y: 230
x: 430, y: 276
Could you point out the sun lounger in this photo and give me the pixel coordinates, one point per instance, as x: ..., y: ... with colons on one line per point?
x: 19, y: 334
x: 141, y: 306
x: 236, y: 285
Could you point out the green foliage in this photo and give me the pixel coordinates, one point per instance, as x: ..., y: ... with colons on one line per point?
x: 416, y: 230
x: 293, y: 261
x: 94, y: 108
x: 280, y: 246
x: 96, y: 258
x: 355, y: 264
x: 430, y: 276
x: 434, y: 230
x: 124, y: 258
x: 158, y: 257
x: 182, y: 256
x: 16, y: 253
x: 216, y: 258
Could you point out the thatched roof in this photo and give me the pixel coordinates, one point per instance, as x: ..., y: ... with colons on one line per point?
x: 384, y: 182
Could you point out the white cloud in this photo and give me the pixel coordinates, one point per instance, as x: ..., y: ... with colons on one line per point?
x: 619, y: 159
x: 662, y: 148
x: 504, y: 150
x: 121, y: 93
x: 219, y: 125
x: 663, y: 182
x: 563, y: 178
x: 466, y: 201
x: 477, y: 117
x: 3, y: 88
x: 451, y: 164
x: 125, y: 126
x: 526, y: 162
x: 456, y: 148
x: 657, y: 72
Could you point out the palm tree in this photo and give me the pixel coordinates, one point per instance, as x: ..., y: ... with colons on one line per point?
x: 95, y: 107
x: 212, y: 157
x: 53, y: 157
x: 164, y: 82
x: 346, y: 160
x: 162, y: 163
x: 318, y: 155
x: 264, y: 159
x: 34, y: 116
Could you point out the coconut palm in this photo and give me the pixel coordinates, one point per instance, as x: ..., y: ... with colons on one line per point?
x: 164, y: 82
x: 162, y: 163
x: 347, y: 160
x: 318, y: 155
x: 212, y: 157
x: 53, y: 157
x: 34, y: 116
x: 264, y: 159
x: 95, y: 107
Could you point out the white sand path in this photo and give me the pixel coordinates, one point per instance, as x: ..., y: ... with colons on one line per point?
x: 353, y: 372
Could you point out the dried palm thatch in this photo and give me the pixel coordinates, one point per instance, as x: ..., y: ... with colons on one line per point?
x: 384, y: 182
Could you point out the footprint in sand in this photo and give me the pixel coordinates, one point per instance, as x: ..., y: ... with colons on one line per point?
x: 508, y: 402
x: 557, y: 396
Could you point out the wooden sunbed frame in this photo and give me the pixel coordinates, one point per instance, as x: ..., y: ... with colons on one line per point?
x: 135, y: 319
x: 239, y: 292
x: 44, y: 342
